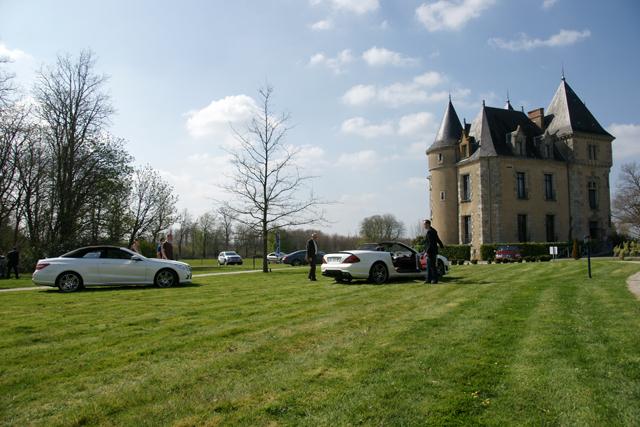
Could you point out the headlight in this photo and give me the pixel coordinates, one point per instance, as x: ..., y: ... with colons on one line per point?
x: 184, y: 267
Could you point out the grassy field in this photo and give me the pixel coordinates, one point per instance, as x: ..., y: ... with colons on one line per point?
x: 518, y: 344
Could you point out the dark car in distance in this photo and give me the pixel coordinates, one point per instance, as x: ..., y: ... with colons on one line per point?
x: 300, y: 258
x: 511, y: 253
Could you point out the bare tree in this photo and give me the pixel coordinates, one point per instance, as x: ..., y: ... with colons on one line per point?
x: 75, y: 108
x: 266, y: 181
x: 149, y: 197
x: 206, y: 222
x: 226, y: 224
x: 184, y: 223
x: 626, y: 202
x: 381, y: 227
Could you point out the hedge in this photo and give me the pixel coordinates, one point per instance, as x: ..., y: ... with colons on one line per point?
x: 462, y: 252
x: 488, y: 251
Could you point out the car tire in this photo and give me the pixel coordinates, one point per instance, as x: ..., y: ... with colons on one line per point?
x: 69, y: 282
x: 440, y: 268
x: 165, y: 278
x: 378, y: 273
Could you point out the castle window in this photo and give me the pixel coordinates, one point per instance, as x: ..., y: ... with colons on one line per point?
x: 465, y: 195
x: 521, y: 185
x: 548, y: 153
x: 594, y: 230
x: 520, y: 147
x: 440, y: 158
x: 593, y: 194
x: 442, y: 195
x: 549, y: 193
x: 593, y: 154
x: 550, y: 227
x: 522, y: 228
x: 466, y: 229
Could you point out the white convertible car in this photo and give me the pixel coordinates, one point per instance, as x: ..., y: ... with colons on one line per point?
x: 378, y: 262
x: 108, y: 265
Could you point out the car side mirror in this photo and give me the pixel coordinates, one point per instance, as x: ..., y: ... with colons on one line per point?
x: 136, y: 258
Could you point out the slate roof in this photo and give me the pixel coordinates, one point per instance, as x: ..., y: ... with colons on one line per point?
x: 490, y: 129
x: 568, y: 114
x: 450, y: 130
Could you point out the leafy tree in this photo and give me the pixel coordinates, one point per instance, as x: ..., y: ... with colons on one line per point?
x: 381, y: 227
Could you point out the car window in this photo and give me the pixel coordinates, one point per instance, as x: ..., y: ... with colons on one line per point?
x: 114, y: 253
x: 91, y: 254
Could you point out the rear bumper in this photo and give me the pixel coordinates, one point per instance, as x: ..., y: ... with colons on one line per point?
x: 337, y: 274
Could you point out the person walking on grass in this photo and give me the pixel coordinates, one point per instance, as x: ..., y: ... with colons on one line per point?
x: 431, y: 243
x: 135, y: 246
x: 159, y: 248
x: 312, y: 250
x: 13, y: 259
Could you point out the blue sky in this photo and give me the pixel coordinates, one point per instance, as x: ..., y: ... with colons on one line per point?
x: 365, y: 81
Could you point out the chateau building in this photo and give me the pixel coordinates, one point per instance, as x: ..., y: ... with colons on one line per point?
x: 516, y: 177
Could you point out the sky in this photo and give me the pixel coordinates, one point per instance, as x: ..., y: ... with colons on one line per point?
x: 366, y: 82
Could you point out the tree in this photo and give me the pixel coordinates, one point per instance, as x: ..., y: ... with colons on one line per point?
x: 74, y: 108
x: 206, y: 222
x: 266, y: 180
x: 381, y: 227
x: 626, y: 202
x: 149, y: 197
x: 226, y: 224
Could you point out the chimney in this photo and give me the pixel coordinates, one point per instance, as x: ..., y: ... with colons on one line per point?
x: 537, y: 117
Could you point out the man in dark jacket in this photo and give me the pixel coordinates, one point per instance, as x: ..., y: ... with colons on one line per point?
x: 312, y: 250
x: 13, y: 259
x: 431, y: 243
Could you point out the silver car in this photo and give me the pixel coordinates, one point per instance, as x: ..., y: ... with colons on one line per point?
x: 229, y: 257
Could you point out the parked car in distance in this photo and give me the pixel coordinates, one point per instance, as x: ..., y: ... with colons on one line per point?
x: 228, y: 258
x: 275, y: 257
x: 508, y: 252
x: 108, y: 265
x: 300, y: 258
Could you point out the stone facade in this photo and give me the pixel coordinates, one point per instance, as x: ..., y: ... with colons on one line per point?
x: 512, y: 177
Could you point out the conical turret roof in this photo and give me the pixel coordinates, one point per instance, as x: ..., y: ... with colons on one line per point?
x: 569, y: 114
x: 450, y: 130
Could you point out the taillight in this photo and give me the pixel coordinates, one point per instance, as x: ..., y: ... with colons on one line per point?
x: 324, y: 260
x: 351, y: 259
x: 41, y: 265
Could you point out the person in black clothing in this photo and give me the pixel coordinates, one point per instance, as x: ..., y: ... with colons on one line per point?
x: 13, y: 259
x: 431, y: 243
x: 3, y: 264
x: 312, y: 250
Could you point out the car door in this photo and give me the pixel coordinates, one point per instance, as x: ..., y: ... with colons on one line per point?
x: 117, y: 267
x: 87, y: 264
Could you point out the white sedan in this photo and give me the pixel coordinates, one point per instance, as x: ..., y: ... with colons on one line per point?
x: 228, y: 258
x: 378, y: 262
x: 108, y: 265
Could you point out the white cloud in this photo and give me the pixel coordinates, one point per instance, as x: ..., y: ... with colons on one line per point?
x: 359, y: 95
x: 548, y: 4
x: 416, y: 125
x: 13, y: 54
x: 384, y: 25
x: 364, y: 159
x: 379, y: 56
x: 524, y: 42
x: 402, y: 93
x: 323, y: 25
x: 362, y: 127
x: 450, y: 14
x: 430, y: 79
x: 335, y: 64
x: 216, y: 118
x: 626, y: 146
x: 359, y: 7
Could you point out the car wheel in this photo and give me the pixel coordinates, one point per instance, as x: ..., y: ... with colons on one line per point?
x: 440, y: 268
x: 296, y: 263
x: 69, y: 282
x: 378, y: 273
x: 165, y: 278
x: 344, y: 280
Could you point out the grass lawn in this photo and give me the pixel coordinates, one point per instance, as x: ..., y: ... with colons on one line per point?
x: 517, y: 344
x: 201, y: 266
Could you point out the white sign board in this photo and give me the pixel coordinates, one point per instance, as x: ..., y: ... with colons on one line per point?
x: 553, y: 250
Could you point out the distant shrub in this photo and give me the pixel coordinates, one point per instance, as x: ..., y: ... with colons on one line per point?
x: 474, y: 261
x: 545, y: 258
x: 456, y: 252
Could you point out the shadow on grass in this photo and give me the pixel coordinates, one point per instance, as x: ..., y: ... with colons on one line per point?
x: 397, y: 281
x: 111, y: 288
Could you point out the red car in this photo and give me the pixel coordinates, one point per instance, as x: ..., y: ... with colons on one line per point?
x: 508, y: 252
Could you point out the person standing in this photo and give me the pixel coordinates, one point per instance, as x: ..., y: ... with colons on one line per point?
x: 13, y: 259
x: 3, y: 264
x: 167, y: 247
x: 159, y: 248
x: 312, y: 250
x: 431, y: 243
x: 135, y: 246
